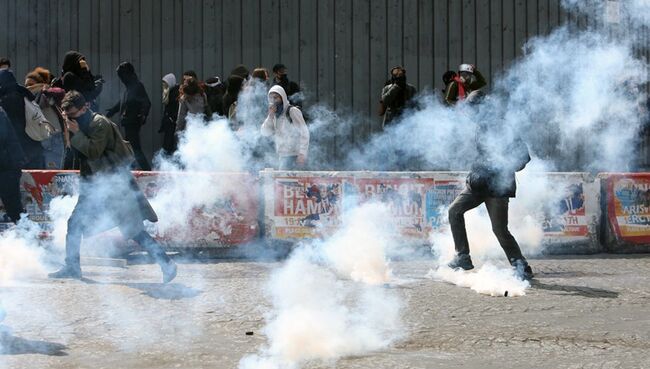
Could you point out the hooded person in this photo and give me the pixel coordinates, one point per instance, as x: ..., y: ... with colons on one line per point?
x: 109, y: 197
x: 76, y: 76
x: 192, y: 100
x: 280, y: 78
x: 396, y: 96
x: 12, y: 100
x: 170, y: 92
x: 463, y: 83
x: 500, y: 153
x: 214, y: 91
x: 48, y: 99
x: 235, y: 85
x: 133, y: 108
x: 12, y: 159
x: 287, y: 126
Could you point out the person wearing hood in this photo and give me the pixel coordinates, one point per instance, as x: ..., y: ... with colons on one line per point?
x: 170, y: 92
x: 287, y: 126
x: 12, y: 159
x: 133, y: 108
x: 109, y: 196
x: 396, y: 96
x: 463, y: 83
x: 76, y: 76
x: 12, y: 100
x: 500, y: 153
x: 214, y: 91
x: 49, y: 99
x: 192, y: 100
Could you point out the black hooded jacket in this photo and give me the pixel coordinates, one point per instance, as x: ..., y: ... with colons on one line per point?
x: 135, y: 104
x: 12, y: 100
x: 78, y: 79
x: 12, y: 156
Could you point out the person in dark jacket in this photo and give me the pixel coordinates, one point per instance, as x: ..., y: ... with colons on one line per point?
x: 134, y: 109
x: 170, y: 113
x: 12, y: 158
x: 76, y: 76
x: 500, y: 153
x: 235, y: 84
x: 292, y: 89
x: 5, y: 63
x: 109, y: 197
x: 12, y: 100
x: 397, y: 95
x: 214, y: 90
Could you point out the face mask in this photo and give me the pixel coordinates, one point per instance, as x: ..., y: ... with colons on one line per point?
x: 84, y: 119
x: 401, y: 80
x: 278, y: 108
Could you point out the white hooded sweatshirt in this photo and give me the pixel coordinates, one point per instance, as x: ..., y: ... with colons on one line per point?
x: 291, y: 137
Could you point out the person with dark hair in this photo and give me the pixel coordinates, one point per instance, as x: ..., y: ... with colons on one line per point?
x: 292, y: 89
x: 170, y: 93
x: 235, y: 85
x: 396, y: 96
x: 12, y: 158
x: 13, y: 98
x: 192, y: 100
x: 240, y: 70
x: 467, y: 80
x: 133, y: 108
x: 76, y: 76
x: 5, y: 63
x: 500, y: 153
x: 190, y: 74
x: 447, y: 78
x: 287, y: 126
x: 48, y: 99
x: 261, y: 74
x: 109, y: 197
x: 214, y: 91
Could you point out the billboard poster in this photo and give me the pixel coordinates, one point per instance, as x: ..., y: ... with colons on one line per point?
x: 567, y: 216
x: 628, y: 204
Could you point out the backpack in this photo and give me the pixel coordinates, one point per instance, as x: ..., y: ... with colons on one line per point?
x: 36, y: 125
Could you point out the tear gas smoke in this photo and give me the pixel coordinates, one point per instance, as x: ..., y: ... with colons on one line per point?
x: 318, y: 316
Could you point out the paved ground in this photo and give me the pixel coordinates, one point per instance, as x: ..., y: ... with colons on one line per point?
x: 582, y: 312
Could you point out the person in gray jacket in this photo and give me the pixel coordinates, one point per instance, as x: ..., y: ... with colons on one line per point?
x: 192, y: 100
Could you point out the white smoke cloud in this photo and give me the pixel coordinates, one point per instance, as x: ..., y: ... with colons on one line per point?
x: 312, y: 316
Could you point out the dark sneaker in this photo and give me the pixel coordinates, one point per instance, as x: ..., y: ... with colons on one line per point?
x: 461, y: 261
x: 169, y: 270
x: 522, y: 269
x: 67, y: 271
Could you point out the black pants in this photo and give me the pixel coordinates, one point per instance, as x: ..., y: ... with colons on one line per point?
x: 497, y: 208
x: 132, y: 134
x: 81, y: 223
x: 10, y: 193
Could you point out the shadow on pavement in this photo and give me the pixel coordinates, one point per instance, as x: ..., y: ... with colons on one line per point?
x: 576, y: 290
x: 12, y: 345
x: 171, y: 291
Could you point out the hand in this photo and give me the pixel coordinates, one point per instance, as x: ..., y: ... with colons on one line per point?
x: 73, y: 126
x: 301, y: 160
x: 272, y: 109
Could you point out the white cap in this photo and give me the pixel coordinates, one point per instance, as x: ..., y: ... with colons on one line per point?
x: 466, y: 68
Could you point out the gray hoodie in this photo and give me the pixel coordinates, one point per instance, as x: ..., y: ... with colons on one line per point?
x: 291, y: 137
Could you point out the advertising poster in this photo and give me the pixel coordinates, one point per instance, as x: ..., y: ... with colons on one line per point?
x: 567, y: 217
x: 628, y: 206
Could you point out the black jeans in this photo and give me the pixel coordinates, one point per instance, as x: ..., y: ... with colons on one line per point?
x: 10, y: 193
x: 497, y: 208
x: 132, y: 134
x: 81, y: 223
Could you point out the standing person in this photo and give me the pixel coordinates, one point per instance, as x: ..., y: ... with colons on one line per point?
x: 467, y: 80
x: 500, y: 153
x: 280, y: 78
x: 12, y: 159
x: 192, y: 100
x: 287, y: 126
x: 108, y: 194
x: 5, y: 63
x: 49, y: 99
x: 12, y: 100
x: 134, y: 109
x: 214, y: 91
x: 76, y: 76
x: 396, y: 96
x: 261, y: 74
x: 170, y: 92
x: 235, y: 85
